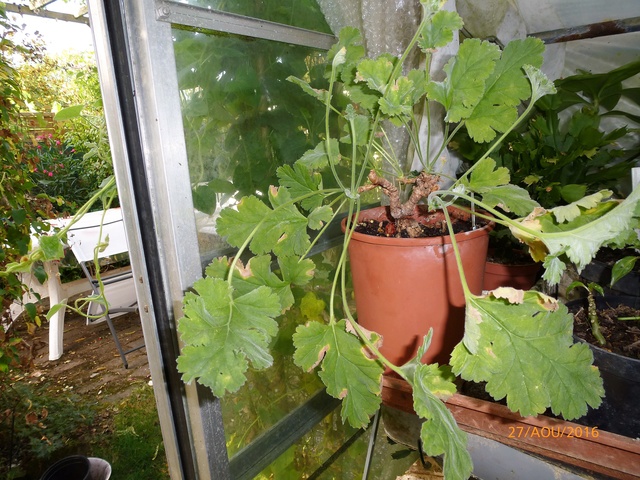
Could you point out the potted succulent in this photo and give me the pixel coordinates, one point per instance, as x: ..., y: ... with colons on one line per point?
x: 519, y: 342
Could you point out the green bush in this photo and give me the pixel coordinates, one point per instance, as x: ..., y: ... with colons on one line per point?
x: 59, y: 171
x: 35, y: 424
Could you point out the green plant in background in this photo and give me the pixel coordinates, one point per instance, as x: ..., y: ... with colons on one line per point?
x: 565, y: 150
x: 518, y: 342
x: 59, y: 172
x: 242, y: 120
x: 134, y: 445
x: 21, y: 209
x: 36, y: 424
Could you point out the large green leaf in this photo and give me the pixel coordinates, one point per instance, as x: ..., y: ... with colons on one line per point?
x: 581, y: 237
x: 467, y: 73
x: 223, y: 331
x: 440, y: 433
x: 282, y: 229
x: 347, y: 371
x: 521, y: 344
x: 439, y: 32
x: 505, y: 89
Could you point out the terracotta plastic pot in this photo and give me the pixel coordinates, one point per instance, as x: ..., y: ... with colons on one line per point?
x: 517, y: 276
x: 405, y: 286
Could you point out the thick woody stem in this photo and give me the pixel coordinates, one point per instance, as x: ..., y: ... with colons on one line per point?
x: 423, y: 185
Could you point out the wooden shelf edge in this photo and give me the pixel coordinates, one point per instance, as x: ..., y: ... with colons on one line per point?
x: 570, y: 443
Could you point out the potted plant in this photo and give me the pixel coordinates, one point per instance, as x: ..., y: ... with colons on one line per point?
x: 519, y: 342
x: 610, y: 325
x: 564, y: 151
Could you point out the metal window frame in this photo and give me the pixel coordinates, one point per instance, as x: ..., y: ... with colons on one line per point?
x: 138, y: 76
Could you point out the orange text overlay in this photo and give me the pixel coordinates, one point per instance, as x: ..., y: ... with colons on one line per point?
x: 553, y: 432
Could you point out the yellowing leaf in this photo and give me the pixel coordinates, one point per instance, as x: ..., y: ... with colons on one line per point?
x: 346, y: 370
x: 224, y: 331
x: 525, y: 352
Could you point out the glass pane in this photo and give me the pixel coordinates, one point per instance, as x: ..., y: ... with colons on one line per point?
x: 297, y: 13
x: 242, y: 118
x: 269, y: 395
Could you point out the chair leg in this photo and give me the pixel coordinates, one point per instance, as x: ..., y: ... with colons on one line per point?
x: 117, y: 342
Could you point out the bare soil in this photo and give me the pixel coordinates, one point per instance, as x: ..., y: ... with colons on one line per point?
x: 90, y: 365
x: 622, y: 336
x: 388, y: 229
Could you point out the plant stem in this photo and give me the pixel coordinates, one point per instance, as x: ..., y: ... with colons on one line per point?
x: 593, y: 319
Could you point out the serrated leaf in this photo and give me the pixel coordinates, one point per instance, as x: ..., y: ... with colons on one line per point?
x: 525, y: 352
x: 376, y: 73
x: 399, y: 98
x: 440, y: 433
x: 506, y: 88
x: 318, y: 217
x: 510, y: 198
x: 301, y: 182
x: 282, y: 229
x: 223, y: 331
x: 439, y: 31
x: 318, y: 158
x: 567, y: 213
x: 347, y: 371
x: 204, y: 198
x: 466, y: 76
x: 485, y: 176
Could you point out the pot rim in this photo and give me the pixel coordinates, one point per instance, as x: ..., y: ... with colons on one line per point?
x: 382, y: 213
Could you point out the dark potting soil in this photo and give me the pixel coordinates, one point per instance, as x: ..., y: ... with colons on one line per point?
x: 622, y: 336
x: 386, y: 228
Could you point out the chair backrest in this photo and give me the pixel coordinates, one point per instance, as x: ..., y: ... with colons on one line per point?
x: 84, y: 236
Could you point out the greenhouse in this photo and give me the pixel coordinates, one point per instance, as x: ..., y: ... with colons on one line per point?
x: 310, y: 194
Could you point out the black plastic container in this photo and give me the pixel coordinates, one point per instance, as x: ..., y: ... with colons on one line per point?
x: 620, y: 409
x: 75, y: 467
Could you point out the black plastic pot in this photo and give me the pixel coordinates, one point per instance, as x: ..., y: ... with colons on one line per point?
x: 75, y: 467
x: 600, y: 272
x: 620, y: 409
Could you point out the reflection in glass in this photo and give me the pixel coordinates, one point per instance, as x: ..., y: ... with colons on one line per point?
x: 297, y: 13
x: 242, y: 118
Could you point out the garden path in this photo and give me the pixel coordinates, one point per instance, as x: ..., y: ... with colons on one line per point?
x: 90, y: 365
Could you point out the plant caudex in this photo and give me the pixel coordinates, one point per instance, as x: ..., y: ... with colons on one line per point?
x: 519, y: 342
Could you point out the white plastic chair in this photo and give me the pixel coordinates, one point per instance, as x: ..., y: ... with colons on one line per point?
x: 82, y: 238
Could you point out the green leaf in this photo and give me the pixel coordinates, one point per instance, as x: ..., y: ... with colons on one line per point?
x: 346, y: 370
x: 320, y: 94
x: 467, y: 73
x: 510, y: 198
x: 376, y: 73
x: 486, y: 176
x: 580, y: 238
x: 204, y: 198
x: 319, y: 216
x: 68, y: 113
x: 282, y: 229
x: 440, y: 433
x: 567, y: 213
x: 521, y: 344
x: 439, y: 31
x: 399, y: 99
x: 622, y: 267
x: 54, y: 309
x: 506, y: 88
x: 301, y: 182
x: 51, y: 246
x: 318, y: 158
x: 223, y: 331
